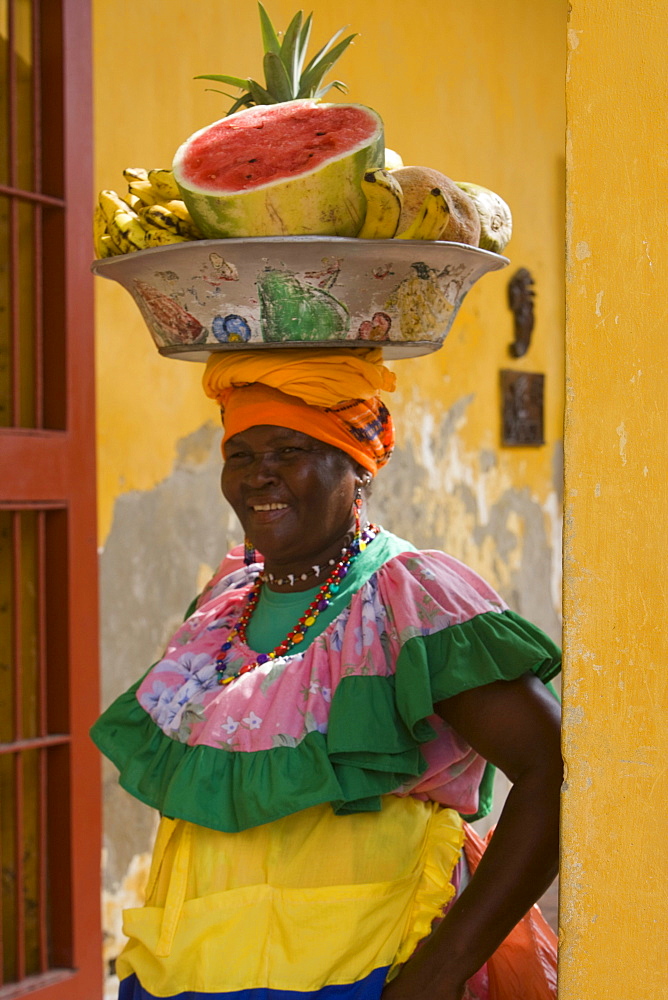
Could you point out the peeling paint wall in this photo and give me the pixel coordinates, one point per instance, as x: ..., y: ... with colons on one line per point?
x: 614, y: 906
x: 477, y: 92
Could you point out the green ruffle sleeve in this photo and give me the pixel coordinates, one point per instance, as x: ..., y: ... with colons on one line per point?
x: 371, y: 748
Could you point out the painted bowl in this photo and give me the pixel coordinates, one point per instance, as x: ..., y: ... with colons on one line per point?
x: 306, y: 291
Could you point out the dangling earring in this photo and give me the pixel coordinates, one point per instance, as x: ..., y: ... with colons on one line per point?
x: 249, y: 552
x: 358, y: 503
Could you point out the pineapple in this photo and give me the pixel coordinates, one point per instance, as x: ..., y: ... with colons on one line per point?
x: 286, y: 78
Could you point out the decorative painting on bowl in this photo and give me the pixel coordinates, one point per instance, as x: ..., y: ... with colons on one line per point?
x: 213, y: 295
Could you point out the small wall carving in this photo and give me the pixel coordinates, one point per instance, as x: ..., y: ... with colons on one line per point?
x: 522, y: 396
x: 520, y: 299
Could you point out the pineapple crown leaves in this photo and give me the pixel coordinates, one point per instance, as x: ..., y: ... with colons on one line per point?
x: 286, y: 77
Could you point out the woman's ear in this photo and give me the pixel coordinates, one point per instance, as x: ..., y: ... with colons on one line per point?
x: 363, y: 477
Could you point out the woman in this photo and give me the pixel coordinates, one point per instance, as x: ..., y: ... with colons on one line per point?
x: 320, y: 724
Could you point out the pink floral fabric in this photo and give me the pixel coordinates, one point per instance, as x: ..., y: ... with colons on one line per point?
x: 279, y: 703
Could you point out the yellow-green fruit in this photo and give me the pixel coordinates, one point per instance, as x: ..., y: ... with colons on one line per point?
x: 463, y: 222
x: 392, y: 159
x: 496, y: 221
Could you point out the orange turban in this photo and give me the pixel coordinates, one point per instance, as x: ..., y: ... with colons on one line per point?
x: 331, y: 395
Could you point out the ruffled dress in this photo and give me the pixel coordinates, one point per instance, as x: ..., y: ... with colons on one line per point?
x: 312, y: 810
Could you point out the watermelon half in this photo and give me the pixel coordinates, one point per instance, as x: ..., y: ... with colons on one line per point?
x: 291, y: 169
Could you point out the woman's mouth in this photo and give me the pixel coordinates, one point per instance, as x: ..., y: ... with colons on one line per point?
x: 260, y: 507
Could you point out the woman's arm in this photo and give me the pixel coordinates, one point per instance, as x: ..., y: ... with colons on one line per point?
x: 516, y: 726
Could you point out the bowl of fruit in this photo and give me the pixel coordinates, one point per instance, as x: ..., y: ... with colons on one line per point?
x: 289, y: 222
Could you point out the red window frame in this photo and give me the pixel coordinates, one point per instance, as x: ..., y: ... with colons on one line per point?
x: 47, y: 480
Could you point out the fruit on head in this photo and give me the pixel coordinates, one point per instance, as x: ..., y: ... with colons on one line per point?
x: 496, y: 221
x: 284, y: 165
x: 149, y: 215
x: 431, y: 219
x: 392, y: 159
x: 289, y: 169
x: 384, y: 199
x: 286, y: 77
x: 462, y: 224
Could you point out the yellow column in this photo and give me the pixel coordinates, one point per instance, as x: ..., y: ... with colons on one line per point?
x: 614, y: 908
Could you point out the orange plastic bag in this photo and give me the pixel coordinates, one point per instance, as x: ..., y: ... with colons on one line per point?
x: 524, y: 966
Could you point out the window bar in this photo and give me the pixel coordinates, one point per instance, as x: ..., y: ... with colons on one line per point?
x: 32, y: 196
x: 18, y: 735
x: 17, y: 657
x: 57, y: 740
x: 12, y: 147
x: 42, y: 900
x: 38, y: 318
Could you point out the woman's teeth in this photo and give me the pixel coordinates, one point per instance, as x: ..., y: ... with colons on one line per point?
x: 269, y: 506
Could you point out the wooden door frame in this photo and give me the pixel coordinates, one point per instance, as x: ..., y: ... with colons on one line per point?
x: 53, y: 468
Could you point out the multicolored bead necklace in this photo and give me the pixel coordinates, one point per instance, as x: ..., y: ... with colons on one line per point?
x: 320, y: 603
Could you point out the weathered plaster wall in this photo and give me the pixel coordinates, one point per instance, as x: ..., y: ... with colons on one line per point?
x: 614, y: 905
x: 475, y: 90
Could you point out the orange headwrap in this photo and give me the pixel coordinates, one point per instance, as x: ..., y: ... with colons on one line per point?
x: 331, y: 395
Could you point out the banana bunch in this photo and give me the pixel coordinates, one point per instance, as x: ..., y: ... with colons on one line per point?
x: 385, y: 199
x: 151, y: 214
x: 431, y: 219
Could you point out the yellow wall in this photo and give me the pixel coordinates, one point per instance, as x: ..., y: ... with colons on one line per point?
x: 614, y: 904
x: 469, y: 90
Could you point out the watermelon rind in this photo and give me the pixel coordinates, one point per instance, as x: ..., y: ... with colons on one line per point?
x: 325, y: 201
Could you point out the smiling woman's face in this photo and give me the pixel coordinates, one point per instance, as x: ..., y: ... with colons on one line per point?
x: 292, y: 493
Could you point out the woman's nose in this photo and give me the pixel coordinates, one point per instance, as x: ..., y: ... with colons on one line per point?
x: 262, y: 468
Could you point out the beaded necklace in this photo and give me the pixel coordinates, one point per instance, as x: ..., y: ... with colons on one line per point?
x: 320, y: 603
x: 293, y: 578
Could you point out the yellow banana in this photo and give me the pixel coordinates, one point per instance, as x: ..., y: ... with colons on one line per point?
x: 107, y: 246
x: 158, y: 232
x: 156, y: 237
x: 119, y: 244
x: 135, y: 174
x: 164, y: 183
x: 384, y: 201
x: 99, y: 232
x: 145, y: 191
x: 151, y: 214
x: 132, y: 201
x: 127, y: 232
x: 110, y: 203
x: 160, y: 215
x: 179, y: 209
x: 431, y: 219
